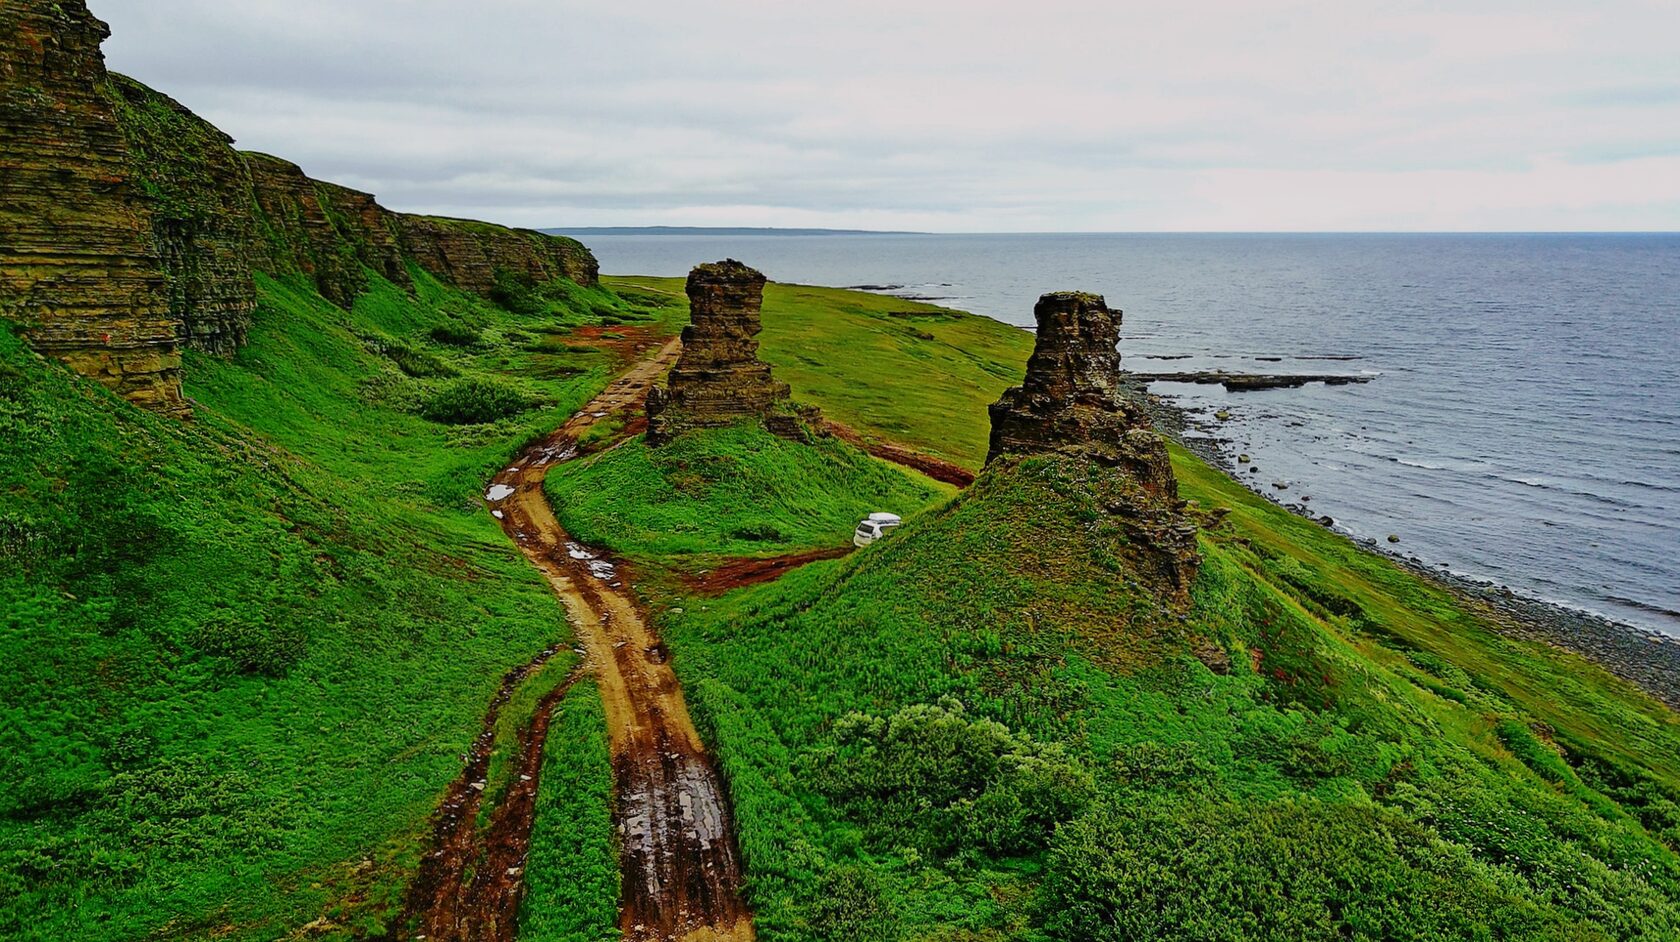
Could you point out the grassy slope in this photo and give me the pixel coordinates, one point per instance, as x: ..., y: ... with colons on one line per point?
x: 1372, y: 741
x: 572, y: 871
x: 243, y: 655
x: 735, y: 492
x: 901, y: 370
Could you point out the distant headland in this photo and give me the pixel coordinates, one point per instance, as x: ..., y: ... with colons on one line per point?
x: 717, y: 231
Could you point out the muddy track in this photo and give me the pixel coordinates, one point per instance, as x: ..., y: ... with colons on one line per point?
x: 751, y: 570
x: 937, y: 468
x: 680, y: 865
x: 464, y: 888
x: 681, y: 873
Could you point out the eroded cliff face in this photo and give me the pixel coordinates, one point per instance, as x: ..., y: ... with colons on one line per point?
x: 196, y: 186
x: 469, y: 255
x: 78, y: 266
x: 719, y: 378
x: 130, y: 227
x: 1070, y: 404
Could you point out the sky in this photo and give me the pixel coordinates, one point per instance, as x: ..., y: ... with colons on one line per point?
x: 973, y: 116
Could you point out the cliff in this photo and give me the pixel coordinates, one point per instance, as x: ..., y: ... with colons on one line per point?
x: 134, y: 228
x: 1070, y: 403
x: 78, y: 265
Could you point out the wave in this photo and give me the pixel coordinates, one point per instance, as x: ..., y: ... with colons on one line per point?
x: 1648, y: 608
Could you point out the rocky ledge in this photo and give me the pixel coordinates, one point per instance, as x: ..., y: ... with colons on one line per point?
x: 719, y: 379
x: 1248, y: 382
x: 1071, y: 403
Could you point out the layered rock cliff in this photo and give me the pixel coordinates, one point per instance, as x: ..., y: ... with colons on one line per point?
x: 79, y: 268
x: 130, y: 227
x: 1070, y: 403
x: 719, y: 378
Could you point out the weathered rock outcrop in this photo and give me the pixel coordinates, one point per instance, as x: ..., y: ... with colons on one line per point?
x: 719, y: 379
x: 1070, y: 403
x: 78, y: 267
x: 130, y: 227
x: 198, y: 195
x: 469, y: 255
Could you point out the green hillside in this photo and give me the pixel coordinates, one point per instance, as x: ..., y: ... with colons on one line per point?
x: 241, y: 656
x: 244, y: 654
x: 978, y: 730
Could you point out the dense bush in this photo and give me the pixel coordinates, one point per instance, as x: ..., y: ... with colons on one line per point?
x: 416, y: 362
x: 517, y: 293
x: 456, y: 334
x: 253, y: 644
x: 952, y: 780
x: 850, y: 907
x: 1219, y: 871
x: 474, y: 399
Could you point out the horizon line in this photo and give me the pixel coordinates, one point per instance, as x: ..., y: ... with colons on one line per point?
x: 819, y: 230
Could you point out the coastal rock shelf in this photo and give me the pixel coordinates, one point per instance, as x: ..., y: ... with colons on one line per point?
x: 1248, y: 382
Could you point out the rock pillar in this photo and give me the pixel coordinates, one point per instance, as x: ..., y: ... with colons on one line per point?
x: 719, y: 379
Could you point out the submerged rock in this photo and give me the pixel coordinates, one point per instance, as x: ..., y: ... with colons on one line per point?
x: 719, y: 378
x: 1070, y: 403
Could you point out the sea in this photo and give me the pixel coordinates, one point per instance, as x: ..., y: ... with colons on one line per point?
x: 1521, y: 425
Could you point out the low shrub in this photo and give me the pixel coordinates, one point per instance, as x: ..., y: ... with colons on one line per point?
x: 456, y: 334
x: 474, y: 399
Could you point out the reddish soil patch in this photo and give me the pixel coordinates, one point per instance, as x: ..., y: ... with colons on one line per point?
x: 751, y: 570
x: 628, y: 342
x: 937, y: 468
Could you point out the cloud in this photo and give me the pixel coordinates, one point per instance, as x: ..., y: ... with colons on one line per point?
x: 977, y: 116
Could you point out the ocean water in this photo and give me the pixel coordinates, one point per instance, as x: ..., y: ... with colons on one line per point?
x: 1521, y: 425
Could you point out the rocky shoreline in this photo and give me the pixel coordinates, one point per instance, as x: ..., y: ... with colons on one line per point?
x: 1645, y: 658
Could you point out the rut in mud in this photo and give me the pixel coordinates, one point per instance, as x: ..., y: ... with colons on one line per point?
x: 468, y: 887
x: 681, y: 873
x: 937, y: 468
x: 751, y: 570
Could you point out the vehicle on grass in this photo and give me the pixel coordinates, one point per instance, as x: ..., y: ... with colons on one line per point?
x: 874, y: 527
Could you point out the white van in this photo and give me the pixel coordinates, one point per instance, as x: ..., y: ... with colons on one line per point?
x: 873, y: 528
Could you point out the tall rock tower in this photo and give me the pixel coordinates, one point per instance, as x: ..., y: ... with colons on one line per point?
x: 718, y: 379
x: 1071, y: 404
x: 78, y: 267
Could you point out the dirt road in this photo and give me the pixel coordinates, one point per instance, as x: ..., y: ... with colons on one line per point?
x: 681, y: 869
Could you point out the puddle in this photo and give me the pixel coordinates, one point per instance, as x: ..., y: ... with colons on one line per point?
x: 498, y: 492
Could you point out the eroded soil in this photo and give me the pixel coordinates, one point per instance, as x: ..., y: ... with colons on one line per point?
x: 468, y: 886
x: 751, y: 570
x: 680, y: 867
x: 937, y: 468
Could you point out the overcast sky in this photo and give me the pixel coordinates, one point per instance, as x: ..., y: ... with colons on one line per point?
x: 952, y: 116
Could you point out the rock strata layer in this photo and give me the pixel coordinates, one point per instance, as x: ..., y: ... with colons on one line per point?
x: 131, y: 228
x: 719, y: 379
x: 1071, y: 403
x: 78, y: 267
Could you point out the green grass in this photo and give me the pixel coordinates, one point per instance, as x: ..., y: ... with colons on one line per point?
x: 1328, y: 746
x: 571, y: 875
x: 243, y: 655
x: 738, y: 491
x: 900, y: 370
